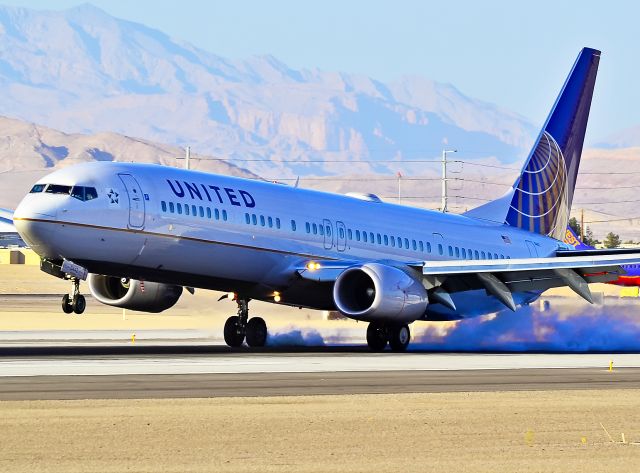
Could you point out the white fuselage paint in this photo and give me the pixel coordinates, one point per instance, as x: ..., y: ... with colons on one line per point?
x: 126, y: 232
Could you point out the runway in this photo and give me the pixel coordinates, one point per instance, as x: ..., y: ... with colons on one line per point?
x: 192, y: 371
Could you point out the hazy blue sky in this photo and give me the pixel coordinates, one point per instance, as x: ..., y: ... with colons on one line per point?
x: 512, y: 53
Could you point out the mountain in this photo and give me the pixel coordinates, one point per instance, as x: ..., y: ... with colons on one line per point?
x: 29, y: 151
x: 84, y: 71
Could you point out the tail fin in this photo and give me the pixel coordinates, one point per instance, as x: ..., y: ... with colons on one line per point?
x: 572, y: 239
x: 540, y: 199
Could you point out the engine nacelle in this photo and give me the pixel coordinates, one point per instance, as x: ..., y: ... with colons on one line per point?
x: 129, y: 293
x: 379, y: 292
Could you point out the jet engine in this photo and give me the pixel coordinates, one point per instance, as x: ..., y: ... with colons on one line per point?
x: 379, y: 292
x: 133, y: 294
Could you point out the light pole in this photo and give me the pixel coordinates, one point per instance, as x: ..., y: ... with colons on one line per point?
x: 444, y: 177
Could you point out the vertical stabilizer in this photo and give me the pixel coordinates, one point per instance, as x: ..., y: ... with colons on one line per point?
x: 540, y: 200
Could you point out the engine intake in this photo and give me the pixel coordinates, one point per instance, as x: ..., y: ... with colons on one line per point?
x: 129, y: 293
x: 379, y: 292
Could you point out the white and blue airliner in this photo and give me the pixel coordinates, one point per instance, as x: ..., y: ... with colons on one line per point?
x: 141, y: 233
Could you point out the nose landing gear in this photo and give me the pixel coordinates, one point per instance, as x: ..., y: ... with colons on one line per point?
x: 239, y: 327
x: 75, y: 302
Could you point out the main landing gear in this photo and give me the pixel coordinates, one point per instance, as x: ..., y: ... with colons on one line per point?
x: 397, y: 335
x: 239, y: 327
x: 76, y: 302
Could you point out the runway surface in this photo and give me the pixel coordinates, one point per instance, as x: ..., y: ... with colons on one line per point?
x: 101, y: 372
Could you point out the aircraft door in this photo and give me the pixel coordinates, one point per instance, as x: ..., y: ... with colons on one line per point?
x: 341, y: 236
x: 328, y: 234
x: 136, y: 200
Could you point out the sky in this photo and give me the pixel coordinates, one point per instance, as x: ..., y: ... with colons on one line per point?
x: 513, y: 54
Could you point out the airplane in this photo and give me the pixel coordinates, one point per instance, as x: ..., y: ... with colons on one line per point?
x: 631, y: 275
x: 8, y: 233
x: 140, y: 233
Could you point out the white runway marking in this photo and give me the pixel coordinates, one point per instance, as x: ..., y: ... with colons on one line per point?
x: 304, y: 363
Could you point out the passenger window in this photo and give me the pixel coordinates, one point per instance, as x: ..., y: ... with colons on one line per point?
x: 350, y: 234
x: 321, y: 229
x: 406, y: 243
x: 489, y: 255
x: 186, y: 210
x: 483, y: 255
x: 328, y: 230
x: 308, y: 227
x: 315, y: 229
x: 171, y: 209
x: 393, y: 241
x: 254, y: 219
x: 341, y: 232
x: 457, y: 252
x: 421, y: 245
x: 247, y: 218
x: 495, y: 256
x: 450, y: 251
x: 414, y: 245
x: 262, y: 220
x: 201, y: 211
x: 477, y: 254
x: 379, y: 239
x: 429, y: 248
x: 224, y: 215
x: 217, y: 213
x: 209, y: 214
x: 293, y: 225
x: 163, y: 204
x: 464, y: 253
x: 364, y: 237
x: 179, y: 206
x: 386, y: 240
x: 277, y: 223
x: 194, y: 210
x: 270, y: 221
x: 357, y: 235
x: 440, y: 249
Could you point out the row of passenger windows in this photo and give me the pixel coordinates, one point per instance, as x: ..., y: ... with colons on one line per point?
x: 194, y: 210
x: 325, y: 230
x: 253, y: 219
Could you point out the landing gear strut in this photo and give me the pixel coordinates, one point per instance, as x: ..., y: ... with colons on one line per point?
x: 239, y: 327
x: 76, y: 302
x: 397, y: 335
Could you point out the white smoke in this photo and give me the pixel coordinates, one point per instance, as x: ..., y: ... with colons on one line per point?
x: 294, y: 337
x: 594, y: 329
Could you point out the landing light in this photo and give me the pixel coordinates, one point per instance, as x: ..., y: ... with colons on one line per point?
x: 232, y: 296
x: 276, y: 296
x: 312, y: 266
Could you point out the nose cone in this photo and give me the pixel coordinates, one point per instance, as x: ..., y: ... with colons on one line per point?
x: 35, y: 221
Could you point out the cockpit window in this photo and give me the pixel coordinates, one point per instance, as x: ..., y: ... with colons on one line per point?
x: 84, y: 193
x: 37, y: 188
x: 58, y: 189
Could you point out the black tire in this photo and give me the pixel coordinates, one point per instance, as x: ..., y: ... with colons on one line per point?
x: 231, y: 335
x: 67, y: 308
x: 376, y: 336
x: 399, y: 337
x: 79, y: 304
x: 256, y: 332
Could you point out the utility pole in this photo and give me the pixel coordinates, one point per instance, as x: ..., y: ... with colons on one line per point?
x: 582, y: 225
x: 187, y: 158
x: 444, y: 178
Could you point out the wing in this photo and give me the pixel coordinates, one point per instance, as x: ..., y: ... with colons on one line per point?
x: 501, y: 277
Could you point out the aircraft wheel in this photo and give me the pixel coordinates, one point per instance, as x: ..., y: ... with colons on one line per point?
x: 233, y: 336
x: 256, y: 332
x: 376, y: 336
x: 79, y: 303
x: 399, y: 337
x: 67, y: 306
